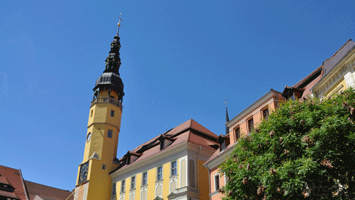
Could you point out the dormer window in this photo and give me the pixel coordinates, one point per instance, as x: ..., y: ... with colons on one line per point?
x: 223, y: 146
x: 162, y: 144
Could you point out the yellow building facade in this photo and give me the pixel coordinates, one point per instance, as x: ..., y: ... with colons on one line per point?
x: 170, y: 166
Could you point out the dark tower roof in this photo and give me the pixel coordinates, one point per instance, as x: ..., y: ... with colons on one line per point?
x: 110, y: 79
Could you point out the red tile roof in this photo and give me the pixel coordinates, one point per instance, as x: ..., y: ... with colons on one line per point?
x: 189, y: 131
x: 8, y: 194
x: 14, y: 178
x: 46, y: 192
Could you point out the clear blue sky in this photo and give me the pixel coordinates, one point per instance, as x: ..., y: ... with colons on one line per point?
x: 180, y: 60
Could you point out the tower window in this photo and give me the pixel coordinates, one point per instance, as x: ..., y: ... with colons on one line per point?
x: 123, y: 183
x: 173, y: 168
x: 103, y: 166
x: 92, y: 112
x: 112, y: 113
x: 133, y: 183
x: 109, y: 133
x: 160, y: 173
x: 251, y: 125
x: 144, y: 178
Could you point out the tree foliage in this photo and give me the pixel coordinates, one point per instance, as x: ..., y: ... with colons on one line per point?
x: 303, y: 150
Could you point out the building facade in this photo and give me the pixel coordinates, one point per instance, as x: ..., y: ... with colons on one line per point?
x: 241, y: 125
x: 336, y: 74
x: 169, y: 166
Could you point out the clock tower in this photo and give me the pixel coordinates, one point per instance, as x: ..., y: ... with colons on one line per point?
x: 93, y: 180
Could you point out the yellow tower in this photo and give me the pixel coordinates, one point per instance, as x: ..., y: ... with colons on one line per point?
x: 93, y: 180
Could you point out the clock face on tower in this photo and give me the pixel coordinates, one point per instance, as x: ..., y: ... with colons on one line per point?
x: 83, y: 175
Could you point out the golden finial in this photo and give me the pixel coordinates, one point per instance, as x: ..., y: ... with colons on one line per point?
x: 225, y: 101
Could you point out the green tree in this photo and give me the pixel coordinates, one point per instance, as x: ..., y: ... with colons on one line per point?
x: 304, y: 150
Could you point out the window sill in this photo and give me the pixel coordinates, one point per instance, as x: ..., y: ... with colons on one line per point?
x: 173, y: 176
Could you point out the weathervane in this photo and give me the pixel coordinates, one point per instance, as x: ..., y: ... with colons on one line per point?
x: 119, y: 23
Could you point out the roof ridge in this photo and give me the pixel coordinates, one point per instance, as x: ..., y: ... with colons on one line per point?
x: 339, y: 49
x: 45, y: 185
x: 13, y: 169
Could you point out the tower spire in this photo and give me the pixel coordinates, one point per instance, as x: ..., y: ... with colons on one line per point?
x: 227, y: 116
x: 110, y: 79
x: 102, y: 131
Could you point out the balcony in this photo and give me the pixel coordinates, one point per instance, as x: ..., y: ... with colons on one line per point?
x: 106, y: 100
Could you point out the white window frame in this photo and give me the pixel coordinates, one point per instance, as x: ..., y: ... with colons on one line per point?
x: 161, y: 173
x: 146, y: 180
x: 171, y: 168
x: 219, y: 182
x: 133, y: 182
x: 123, y: 186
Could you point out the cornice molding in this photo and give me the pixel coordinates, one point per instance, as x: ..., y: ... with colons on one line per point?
x: 104, y: 123
x: 335, y: 74
x: 149, y: 161
x: 245, y: 113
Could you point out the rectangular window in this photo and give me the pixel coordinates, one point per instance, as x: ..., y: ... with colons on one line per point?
x: 112, y: 113
x: 237, y: 133
x: 223, y: 146
x: 265, y: 113
x: 123, y: 184
x: 109, y: 133
x: 173, y: 168
x: 113, y: 192
x: 250, y: 125
x: 159, y: 173
x: 103, y: 166
x: 144, y: 178
x: 133, y: 183
x: 216, y: 182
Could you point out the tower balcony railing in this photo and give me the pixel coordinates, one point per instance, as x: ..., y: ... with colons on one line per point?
x: 106, y: 100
